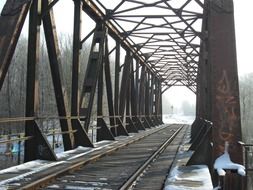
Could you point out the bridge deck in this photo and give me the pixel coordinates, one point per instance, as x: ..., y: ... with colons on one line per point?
x: 154, y: 177
x: 183, y: 176
x: 40, y: 172
x: 111, y: 172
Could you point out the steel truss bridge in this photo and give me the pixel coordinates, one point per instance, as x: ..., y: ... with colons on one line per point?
x: 163, y: 43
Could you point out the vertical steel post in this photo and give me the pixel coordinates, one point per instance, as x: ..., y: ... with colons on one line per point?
x: 126, y: 91
x: 203, y: 96
x: 156, y: 101
x: 107, y: 71
x: 160, y: 103
x: 55, y: 66
x: 134, y: 97
x: 32, y: 86
x: 37, y: 147
x: 137, y: 84
x: 225, y: 110
x: 116, y: 79
x: 92, y: 74
x: 103, y: 132
x: 147, y: 99
x: 119, y: 129
x: 152, y: 95
x: 147, y: 94
x: 141, y: 92
x: 124, y: 86
x: 142, y: 97
x: 80, y: 137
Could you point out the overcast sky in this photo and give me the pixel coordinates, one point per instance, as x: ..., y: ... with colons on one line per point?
x: 244, y: 40
x: 244, y: 37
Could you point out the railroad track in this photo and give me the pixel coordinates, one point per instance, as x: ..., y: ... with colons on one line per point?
x: 152, y: 181
x: 121, y: 169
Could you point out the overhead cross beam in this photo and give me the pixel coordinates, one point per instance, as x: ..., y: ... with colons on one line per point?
x: 139, y: 33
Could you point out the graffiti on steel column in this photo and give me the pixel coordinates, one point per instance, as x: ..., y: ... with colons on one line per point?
x: 226, y: 105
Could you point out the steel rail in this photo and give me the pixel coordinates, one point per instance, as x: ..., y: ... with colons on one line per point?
x: 159, y: 151
x: 43, y: 181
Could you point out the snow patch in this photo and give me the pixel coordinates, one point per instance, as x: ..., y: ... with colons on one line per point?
x: 91, y: 183
x: 179, y: 180
x: 67, y: 153
x: 178, y: 119
x: 92, y: 150
x: 26, y: 166
x: 98, y: 145
x: 33, y: 166
x: 174, y: 174
x: 54, y: 186
x: 71, y: 187
x: 224, y: 162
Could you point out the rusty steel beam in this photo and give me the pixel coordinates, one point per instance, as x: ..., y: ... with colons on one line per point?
x: 131, y: 125
x: 116, y: 79
x: 92, y: 74
x: 141, y: 93
x: 134, y: 79
x: 103, y: 132
x: 37, y: 147
x: 119, y: 129
x: 225, y: 109
x: 32, y: 86
x: 81, y: 136
x: 225, y: 90
x: 203, y: 96
x: 11, y: 21
x: 95, y: 13
x: 55, y: 66
x: 124, y: 85
x: 108, y: 80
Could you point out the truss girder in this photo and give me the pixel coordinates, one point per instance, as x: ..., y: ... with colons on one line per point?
x: 165, y: 43
x: 157, y: 32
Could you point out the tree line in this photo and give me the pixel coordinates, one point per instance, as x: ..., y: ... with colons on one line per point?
x: 246, y: 96
x: 13, y: 92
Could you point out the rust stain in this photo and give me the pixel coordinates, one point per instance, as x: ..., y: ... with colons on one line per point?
x: 226, y: 104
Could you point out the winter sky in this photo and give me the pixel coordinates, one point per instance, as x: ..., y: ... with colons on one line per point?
x: 244, y: 40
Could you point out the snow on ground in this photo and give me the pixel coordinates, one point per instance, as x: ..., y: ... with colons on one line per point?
x: 182, y: 177
x: 32, y: 168
x: 178, y: 119
x: 195, y: 177
x: 84, y: 150
x: 69, y: 152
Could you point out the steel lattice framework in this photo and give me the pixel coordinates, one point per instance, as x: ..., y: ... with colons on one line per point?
x: 164, y: 43
x: 164, y: 35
